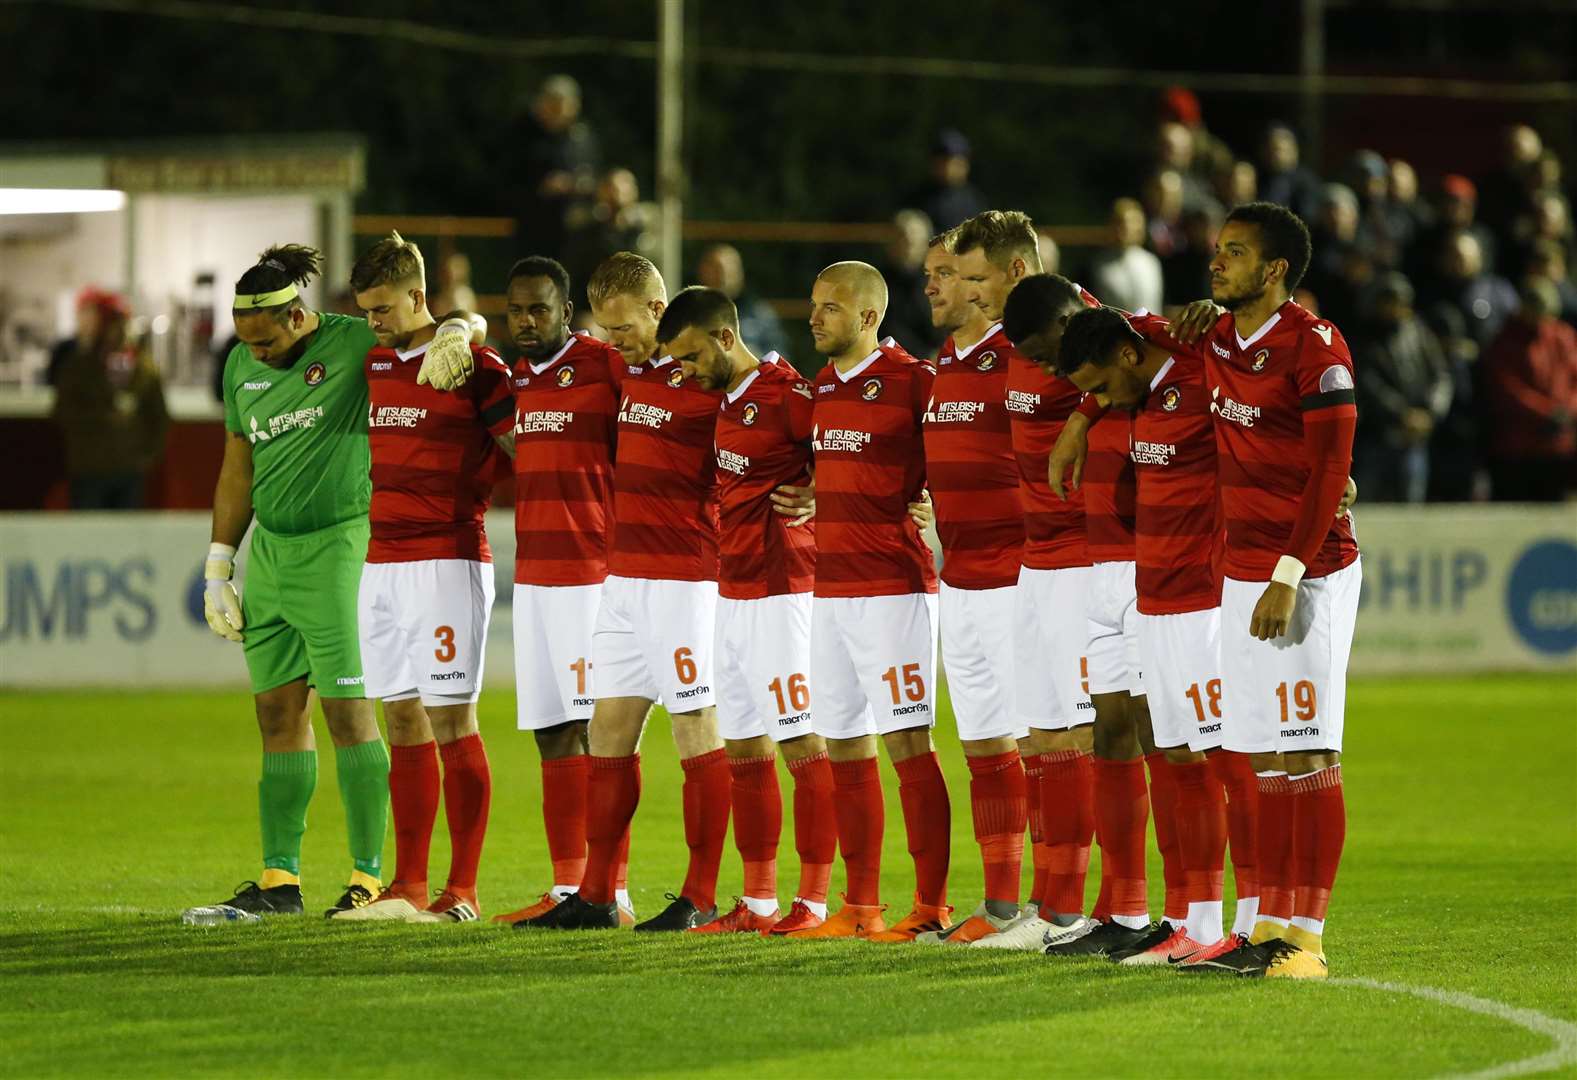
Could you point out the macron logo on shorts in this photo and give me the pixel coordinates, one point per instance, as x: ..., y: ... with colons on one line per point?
x: 353, y: 681
x: 694, y: 691
x: 446, y: 676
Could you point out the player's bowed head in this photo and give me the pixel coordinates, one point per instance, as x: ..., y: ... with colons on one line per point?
x: 389, y: 281
x: 627, y: 298
x: 700, y: 330
x: 847, y: 304
x: 1102, y: 354
x: 995, y: 249
x: 270, y: 316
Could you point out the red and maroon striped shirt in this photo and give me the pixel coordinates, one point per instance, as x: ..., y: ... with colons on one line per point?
x: 564, y: 441
x: 1039, y: 405
x: 970, y: 467
x: 763, y: 441
x: 1109, y: 492
x: 1177, y: 523
x: 665, y: 479
x: 432, y: 457
x: 870, y: 465
x: 1266, y: 392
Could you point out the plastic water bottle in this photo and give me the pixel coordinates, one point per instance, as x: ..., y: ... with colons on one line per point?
x: 217, y: 915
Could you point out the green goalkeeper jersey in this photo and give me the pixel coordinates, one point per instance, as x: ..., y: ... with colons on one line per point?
x: 308, y: 428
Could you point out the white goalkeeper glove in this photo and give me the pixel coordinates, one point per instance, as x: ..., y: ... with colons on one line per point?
x: 221, y: 605
x: 448, y: 363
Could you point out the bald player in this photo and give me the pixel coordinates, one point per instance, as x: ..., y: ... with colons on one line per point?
x: 873, y: 616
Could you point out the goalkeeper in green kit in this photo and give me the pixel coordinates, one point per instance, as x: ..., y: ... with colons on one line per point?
x: 296, y: 458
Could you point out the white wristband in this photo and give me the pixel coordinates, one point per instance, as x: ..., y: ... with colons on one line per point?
x: 1288, y: 572
x: 221, y: 551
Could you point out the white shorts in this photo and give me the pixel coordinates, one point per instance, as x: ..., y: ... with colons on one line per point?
x: 1182, y: 677
x: 873, y: 664
x: 1113, y: 650
x: 554, y: 677
x: 423, y: 629
x: 654, y: 640
x: 763, y: 667
x: 1288, y: 694
x: 1049, y: 649
x: 978, y: 659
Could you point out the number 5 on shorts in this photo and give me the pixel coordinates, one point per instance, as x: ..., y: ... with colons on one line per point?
x: 913, y: 682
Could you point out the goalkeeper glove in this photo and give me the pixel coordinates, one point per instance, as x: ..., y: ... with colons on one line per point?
x: 221, y: 605
x: 448, y: 363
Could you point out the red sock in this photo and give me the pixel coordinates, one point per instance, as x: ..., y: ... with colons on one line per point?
x: 1069, y: 821
x: 564, y: 815
x: 1122, y: 811
x: 1163, y: 808
x: 857, y: 801
x: 468, y: 792
x: 1034, y: 765
x: 1236, y: 775
x: 928, y: 819
x: 621, y: 863
x: 815, y: 825
x: 706, y: 784
x: 413, y: 798
x: 758, y: 822
x: 1322, y: 830
x: 1201, y: 831
x: 1275, y: 857
x: 613, y: 791
x: 1000, y: 808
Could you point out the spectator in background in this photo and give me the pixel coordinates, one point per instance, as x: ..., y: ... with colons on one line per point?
x: 1185, y: 273
x: 948, y: 198
x: 615, y: 220
x: 551, y: 157
x: 1370, y: 180
x: 1547, y: 260
x: 1237, y: 182
x: 1162, y: 197
x: 1549, y: 219
x: 109, y: 403
x: 1404, y: 386
x: 1407, y: 216
x: 1283, y: 178
x: 1174, y: 152
x: 1530, y: 376
x: 90, y: 303
x: 722, y: 269
x: 1506, y: 189
x: 1456, y: 211
x: 1050, y: 253
x: 453, y: 279
x: 1125, y: 275
x: 1341, y: 268
x: 1466, y: 309
x: 1209, y: 155
x: 908, y: 318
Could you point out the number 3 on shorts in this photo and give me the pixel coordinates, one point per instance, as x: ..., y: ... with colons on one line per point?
x: 684, y: 666
x: 445, y: 652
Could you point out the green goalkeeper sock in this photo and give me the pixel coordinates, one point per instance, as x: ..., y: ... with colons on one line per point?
x: 364, y: 789
x: 282, y: 796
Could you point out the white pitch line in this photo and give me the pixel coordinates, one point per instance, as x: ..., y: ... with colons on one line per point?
x: 1564, y: 1034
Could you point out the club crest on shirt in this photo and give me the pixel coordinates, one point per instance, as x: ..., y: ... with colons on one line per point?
x: 1261, y: 358
x: 676, y: 376
x: 748, y: 416
x: 315, y: 373
x: 566, y: 376
x: 871, y: 390
x: 986, y: 361
x: 1170, y: 398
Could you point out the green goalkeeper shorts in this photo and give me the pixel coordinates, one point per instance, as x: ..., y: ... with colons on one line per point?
x: 299, y: 604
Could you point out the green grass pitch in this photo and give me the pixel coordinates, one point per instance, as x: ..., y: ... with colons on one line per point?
x: 120, y: 809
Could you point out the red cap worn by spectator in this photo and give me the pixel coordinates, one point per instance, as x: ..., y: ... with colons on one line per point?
x: 1180, y: 104
x: 1459, y: 187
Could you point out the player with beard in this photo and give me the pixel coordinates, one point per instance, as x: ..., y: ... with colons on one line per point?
x: 973, y: 477
x: 567, y: 388
x: 873, y: 638
x: 427, y: 590
x: 1281, y: 383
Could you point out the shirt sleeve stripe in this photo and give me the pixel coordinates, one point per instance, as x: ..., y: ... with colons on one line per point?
x: 1328, y: 399
x: 497, y: 411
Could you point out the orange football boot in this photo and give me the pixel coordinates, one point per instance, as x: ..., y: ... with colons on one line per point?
x: 541, y: 907
x: 849, y: 921
x: 924, y: 918
x: 799, y: 919
x: 741, y: 920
